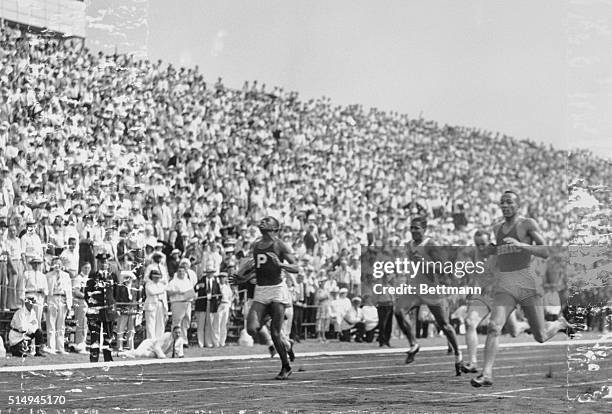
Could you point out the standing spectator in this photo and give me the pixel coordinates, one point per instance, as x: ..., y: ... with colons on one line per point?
x: 384, y: 307
x: 15, y: 258
x: 100, y: 298
x: 173, y: 262
x: 355, y: 272
x: 157, y: 264
x: 31, y: 246
x: 70, y: 258
x: 343, y: 275
x: 207, y: 305
x: 299, y: 304
x: 80, y: 307
x: 222, y: 315
x: 127, y: 297
x: 176, y: 238
x: 311, y: 239
x: 155, y: 305
x: 36, y: 286
x: 323, y: 311
x: 181, y: 295
x: 25, y: 328
x: 337, y: 310
x: 59, y: 305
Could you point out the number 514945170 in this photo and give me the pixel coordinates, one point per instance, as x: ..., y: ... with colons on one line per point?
x: 36, y: 400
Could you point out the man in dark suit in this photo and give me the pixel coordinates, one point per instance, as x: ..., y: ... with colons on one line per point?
x: 298, y: 308
x: 100, y: 297
x: 206, y: 306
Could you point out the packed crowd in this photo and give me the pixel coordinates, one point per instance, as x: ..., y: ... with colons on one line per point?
x: 106, y: 154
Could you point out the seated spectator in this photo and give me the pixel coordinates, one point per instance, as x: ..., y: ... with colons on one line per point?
x: 168, y: 345
x: 370, y: 315
x: 24, y: 330
x: 353, y: 322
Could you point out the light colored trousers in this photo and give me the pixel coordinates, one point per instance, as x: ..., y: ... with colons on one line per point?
x: 15, y: 288
x: 205, y: 329
x: 220, y: 324
x: 80, y: 317
x: 56, y: 322
x: 156, y: 321
x: 181, y: 316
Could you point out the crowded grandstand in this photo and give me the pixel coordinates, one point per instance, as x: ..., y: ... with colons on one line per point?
x: 160, y: 176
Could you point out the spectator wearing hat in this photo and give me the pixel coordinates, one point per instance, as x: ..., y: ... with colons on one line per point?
x: 31, y: 246
x: 353, y: 322
x: 15, y: 261
x: 36, y: 286
x: 173, y: 262
x: 59, y: 304
x: 25, y: 329
x: 337, y: 310
x: 127, y: 297
x: 155, y: 304
x: 206, y: 306
x: 222, y: 316
x: 158, y: 264
x: 70, y: 258
x: 191, y: 274
x: 181, y: 294
x: 101, y: 314
x: 80, y: 307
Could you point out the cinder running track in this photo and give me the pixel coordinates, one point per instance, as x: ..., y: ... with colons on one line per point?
x: 529, y: 378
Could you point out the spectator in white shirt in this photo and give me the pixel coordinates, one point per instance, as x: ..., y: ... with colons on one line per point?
x: 59, y: 304
x: 181, y: 296
x: 191, y: 274
x: 36, y: 286
x: 24, y: 329
x: 353, y: 322
x: 167, y: 345
x: 222, y: 316
x: 31, y: 246
x: 70, y: 258
x: 370, y: 315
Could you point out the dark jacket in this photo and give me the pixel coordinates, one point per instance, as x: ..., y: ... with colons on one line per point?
x: 201, y: 302
x: 100, y: 296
